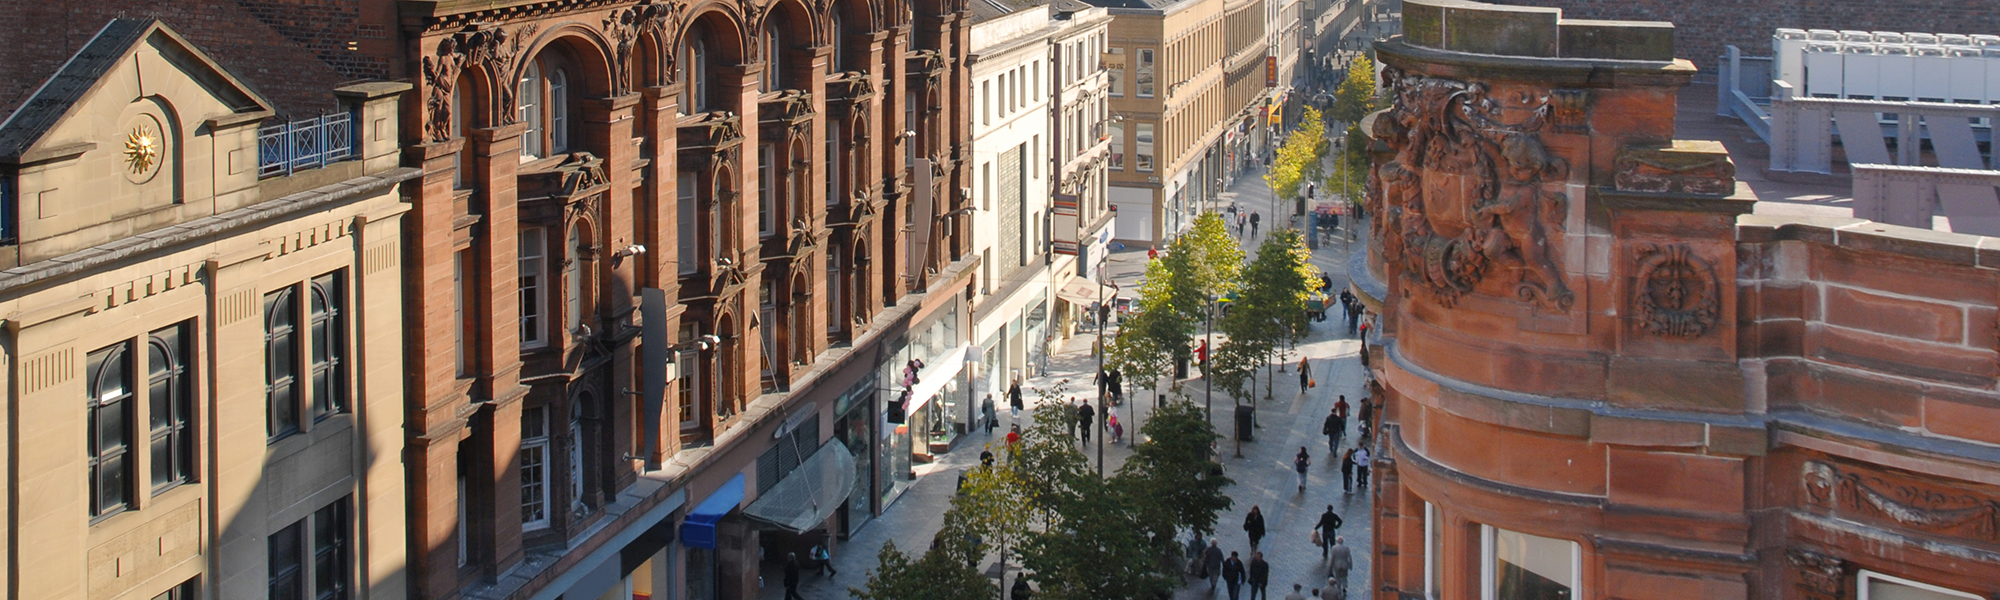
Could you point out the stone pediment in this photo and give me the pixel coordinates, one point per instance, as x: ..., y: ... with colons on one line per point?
x: 577, y: 176
x: 710, y: 131
x: 788, y: 107
x: 850, y: 86
x: 160, y: 53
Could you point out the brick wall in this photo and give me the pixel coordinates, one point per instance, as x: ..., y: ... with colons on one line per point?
x: 294, y: 52
x: 1705, y: 26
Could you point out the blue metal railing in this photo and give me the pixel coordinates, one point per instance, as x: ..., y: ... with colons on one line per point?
x: 292, y: 146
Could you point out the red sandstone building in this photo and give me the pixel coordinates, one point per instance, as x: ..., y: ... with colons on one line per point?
x: 772, y: 177
x: 1606, y: 377
x: 664, y: 266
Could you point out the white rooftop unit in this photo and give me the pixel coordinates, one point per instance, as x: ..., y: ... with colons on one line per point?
x: 1822, y: 35
x: 1788, y: 47
x: 1895, y: 72
x: 1857, y: 37
x: 1824, y: 72
x: 1932, y: 74
x: 1920, y: 38
x: 1861, y: 71
x: 1992, y: 73
x: 1986, y: 41
x: 1888, y: 37
x: 1968, y: 75
x: 1954, y: 39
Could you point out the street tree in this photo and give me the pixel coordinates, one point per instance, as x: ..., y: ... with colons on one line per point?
x: 1357, y: 96
x: 1297, y: 160
x: 1173, y: 476
x: 1173, y: 294
x: 992, y: 504
x: 1271, y: 311
x: 940, y: 574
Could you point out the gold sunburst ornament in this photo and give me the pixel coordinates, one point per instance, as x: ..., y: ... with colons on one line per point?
x: 142, y: 149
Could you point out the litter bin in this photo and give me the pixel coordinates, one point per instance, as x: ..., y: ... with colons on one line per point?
x: 1245, y: 418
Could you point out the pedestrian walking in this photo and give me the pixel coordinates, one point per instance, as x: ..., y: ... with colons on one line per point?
x: 1085, y: 421
x: 1305, y: 375
x: 1020, y: 591
x: 1361, y: 466
x: 1326, y: 530
x: 1253, y: 524
x: 1260, y: 577
x: 1342, y: 559
x: 1255, y: 217
x: 986, y: 410
x: 1071, y: 407
x: 1298, y: 593
x: 1232, y: 575
x: 1333, y: 591
x: 1300, y: 463
x: 1367, y: 411
x: 1211, y: 564
x: 823, y: 560
x: 1014, y: 398
x: 792, y: 576
x: 1334, y: 428
x: 1014, y: 438
x: 1347, y: 471
x: 1117, y: 429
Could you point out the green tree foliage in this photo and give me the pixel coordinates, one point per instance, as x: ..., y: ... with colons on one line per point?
x: 1297, y: 160
x: 1356, y: 96
x: 1173, y: 475
x: 992, y: 505
x: 1271, y: 311
x: 1350, y: 173
x: 941, y: 574
x: 1173, y: 296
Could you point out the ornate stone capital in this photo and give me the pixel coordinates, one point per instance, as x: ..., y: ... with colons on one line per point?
x: 1675, y: 292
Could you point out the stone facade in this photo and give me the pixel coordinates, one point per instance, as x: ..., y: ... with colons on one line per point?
x: 201, y: 362
x: 1601, y: 374
x: 784, y: 173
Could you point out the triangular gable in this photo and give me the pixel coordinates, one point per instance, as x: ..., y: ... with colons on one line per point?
x: 86, y: 70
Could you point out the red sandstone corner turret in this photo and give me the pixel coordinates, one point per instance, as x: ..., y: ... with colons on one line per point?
x: 1602, y: 378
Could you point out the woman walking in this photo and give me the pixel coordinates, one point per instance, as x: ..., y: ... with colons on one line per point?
x: 1300, y: 463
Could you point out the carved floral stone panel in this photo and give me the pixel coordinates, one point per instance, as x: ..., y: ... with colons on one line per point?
x: 1905, y: 502
x: 1675, y: 293
x: 1466, y: 194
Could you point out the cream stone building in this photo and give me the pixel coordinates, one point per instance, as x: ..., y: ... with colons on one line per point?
x: 202, y: 341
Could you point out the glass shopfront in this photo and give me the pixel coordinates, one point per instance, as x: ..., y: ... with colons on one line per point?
x: 924, y: 371
x: 853, y: 415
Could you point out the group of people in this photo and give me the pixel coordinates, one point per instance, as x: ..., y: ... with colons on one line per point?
x: 1242, y: 219
x: 1232, y: 573
x: 1353, y: 462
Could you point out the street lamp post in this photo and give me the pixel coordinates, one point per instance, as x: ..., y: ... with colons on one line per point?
x: 1103, y: 265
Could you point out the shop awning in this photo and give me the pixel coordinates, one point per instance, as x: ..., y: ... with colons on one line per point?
x: 811, y: 493
x: 931, y: 380
x: 1082, y: 292
x: 698, y: 530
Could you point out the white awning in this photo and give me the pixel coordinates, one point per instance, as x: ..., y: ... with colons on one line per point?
x: 811, y: 493
x: 1082, y: 292
x: 931, y: 380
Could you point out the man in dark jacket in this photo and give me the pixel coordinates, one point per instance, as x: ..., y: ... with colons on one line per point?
x: 1347, y: 472
x: 792, y: 576
x: 1014, y: 398
x: 1232, y: 575
x: 1253, y: 524
x: 1084, y: 421
x: 1260, y: 577
x: 1020, y: 591
x: 1211, y: 563
x: 1329, y: 524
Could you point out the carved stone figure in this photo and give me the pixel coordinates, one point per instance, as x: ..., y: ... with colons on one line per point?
x: 492, y: 49
x: 1820, y: 577
x: 1675, y: 293
x: 1463, y: 191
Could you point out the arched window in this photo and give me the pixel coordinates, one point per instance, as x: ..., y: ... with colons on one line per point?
x: 559, y: 111
x: 774, y: 60
x: 576, y: 447
x: 462, y: 176
x: 110, y: 409
x: 839, y: 32
x: 573, y: 275
x: 528, y: 107
x: 169, y: 395
x: 694, y: 76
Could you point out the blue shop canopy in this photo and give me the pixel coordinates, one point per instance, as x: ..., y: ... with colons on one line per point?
x: 698, y: 531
